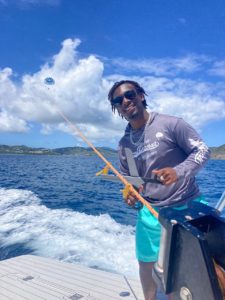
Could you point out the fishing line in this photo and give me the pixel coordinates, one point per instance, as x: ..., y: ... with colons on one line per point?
x: 128, y: 186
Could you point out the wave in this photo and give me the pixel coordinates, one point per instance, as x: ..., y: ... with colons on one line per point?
x: 67, y: 235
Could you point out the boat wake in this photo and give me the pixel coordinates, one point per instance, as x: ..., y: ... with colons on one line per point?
x: 67, y: 235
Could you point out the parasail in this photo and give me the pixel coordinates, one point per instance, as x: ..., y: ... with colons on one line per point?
x: 49, y: 81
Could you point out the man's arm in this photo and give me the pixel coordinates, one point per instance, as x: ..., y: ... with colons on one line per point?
x: 196, y: 150
x: 191, y: 143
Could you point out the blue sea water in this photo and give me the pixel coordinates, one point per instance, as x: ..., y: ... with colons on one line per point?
x: 55, y: 206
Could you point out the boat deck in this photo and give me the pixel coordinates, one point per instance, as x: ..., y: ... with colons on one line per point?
x: 34, y: 278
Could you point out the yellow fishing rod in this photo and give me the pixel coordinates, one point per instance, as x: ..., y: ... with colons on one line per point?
x: 128, y: 187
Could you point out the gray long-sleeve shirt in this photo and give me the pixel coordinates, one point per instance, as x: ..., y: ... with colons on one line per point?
x: 166, y: 142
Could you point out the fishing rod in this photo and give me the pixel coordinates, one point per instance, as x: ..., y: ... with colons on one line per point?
x: 128, y: 187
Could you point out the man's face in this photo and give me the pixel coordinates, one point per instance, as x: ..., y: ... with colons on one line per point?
x: 131, y: 106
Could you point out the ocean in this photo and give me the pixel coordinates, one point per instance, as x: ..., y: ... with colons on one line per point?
x: 55, y: 206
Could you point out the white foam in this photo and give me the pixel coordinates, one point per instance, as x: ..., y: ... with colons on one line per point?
x: 66, y: 235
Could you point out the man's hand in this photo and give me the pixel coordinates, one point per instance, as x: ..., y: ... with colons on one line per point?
x: 166, y: 175
x: 131, y: 198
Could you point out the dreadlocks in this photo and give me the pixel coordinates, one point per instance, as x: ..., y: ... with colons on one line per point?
x: 137, y: 87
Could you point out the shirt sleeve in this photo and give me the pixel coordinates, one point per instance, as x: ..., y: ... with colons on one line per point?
x: 195, y: 148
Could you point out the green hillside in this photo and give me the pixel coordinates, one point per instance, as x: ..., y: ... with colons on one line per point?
x: 217, y: 152
x: 4, y: 149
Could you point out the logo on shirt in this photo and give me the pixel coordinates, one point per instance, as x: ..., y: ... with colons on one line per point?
x: 145, y: 147
x: 159, y: 135
x: 202, y: 150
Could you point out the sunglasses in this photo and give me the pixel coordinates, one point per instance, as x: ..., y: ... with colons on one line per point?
x: 131, y: 95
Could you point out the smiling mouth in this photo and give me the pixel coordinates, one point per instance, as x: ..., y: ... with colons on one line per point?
x: 130, y: 108
x: 131, y: 112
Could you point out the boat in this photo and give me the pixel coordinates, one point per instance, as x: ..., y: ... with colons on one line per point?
x: 30, y: 277
x: 198, y: 230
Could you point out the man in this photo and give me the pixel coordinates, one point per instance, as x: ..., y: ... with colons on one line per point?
x: 163, y: 145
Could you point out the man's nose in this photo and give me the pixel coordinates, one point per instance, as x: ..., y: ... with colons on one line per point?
x: 125, y: 100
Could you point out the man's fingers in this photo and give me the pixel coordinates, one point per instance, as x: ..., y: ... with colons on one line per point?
x: 140, y: 189
x: 131, y: 197
x: 160, y: 174
x: 131, y: 202
x: 157, y: 172
x: 166, y: 175
x: 161, y: 178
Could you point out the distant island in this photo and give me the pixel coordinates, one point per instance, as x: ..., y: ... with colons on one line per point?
x: 5, y: 149
x: 217, y: 152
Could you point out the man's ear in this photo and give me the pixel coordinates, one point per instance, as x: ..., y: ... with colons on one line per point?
x: 142, y: 97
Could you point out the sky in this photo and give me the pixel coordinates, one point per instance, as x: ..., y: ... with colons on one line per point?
x: 174, y: 49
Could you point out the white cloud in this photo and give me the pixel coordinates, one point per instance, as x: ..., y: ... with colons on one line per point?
x: 10, y: 123
x: 163, y: 66
x: 218, y: 68
x: 195, y: 101
x: 80, y: 92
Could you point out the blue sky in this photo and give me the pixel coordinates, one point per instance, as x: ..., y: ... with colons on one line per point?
x: 175, y: 49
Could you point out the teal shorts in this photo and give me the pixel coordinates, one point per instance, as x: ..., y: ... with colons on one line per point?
x: 148, y: 232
